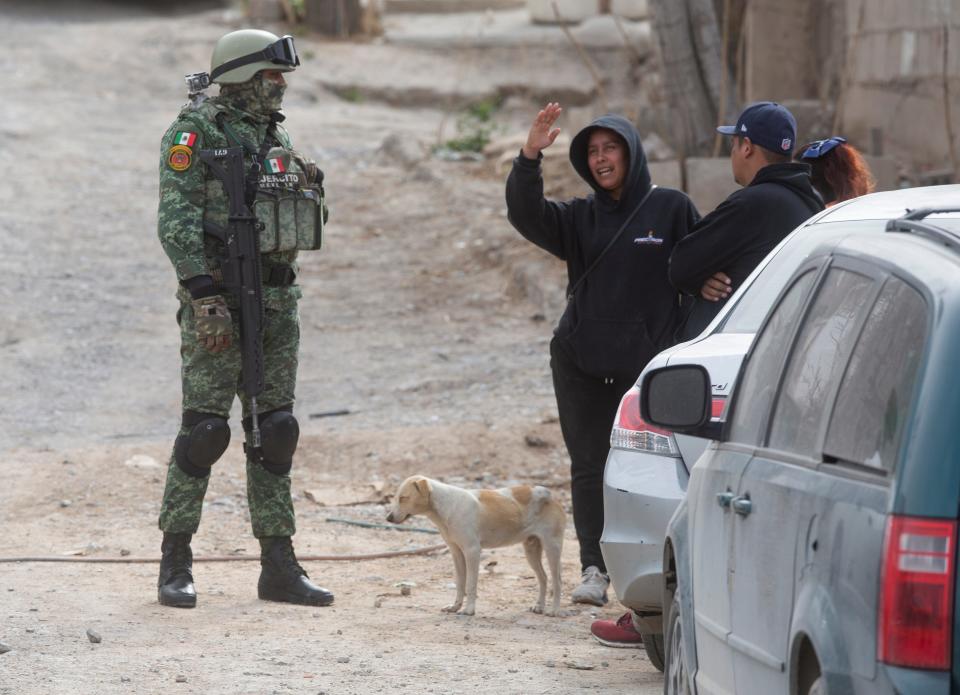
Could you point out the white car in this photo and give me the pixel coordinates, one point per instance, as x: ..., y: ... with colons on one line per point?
x: 647, y: 469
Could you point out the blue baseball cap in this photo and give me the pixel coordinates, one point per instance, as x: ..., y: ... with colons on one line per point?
x: 767, y: 124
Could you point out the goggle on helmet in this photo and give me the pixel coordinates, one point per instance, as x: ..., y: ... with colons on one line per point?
x: 279, y: 55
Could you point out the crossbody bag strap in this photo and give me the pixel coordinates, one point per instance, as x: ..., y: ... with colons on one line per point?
x: 610, y: 244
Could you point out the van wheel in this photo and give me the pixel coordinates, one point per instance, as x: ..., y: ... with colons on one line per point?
x: 653, y: 644
x: 817, y: 687
x: 676, y: 677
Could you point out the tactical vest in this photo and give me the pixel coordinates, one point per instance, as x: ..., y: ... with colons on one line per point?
x: 289, y: 206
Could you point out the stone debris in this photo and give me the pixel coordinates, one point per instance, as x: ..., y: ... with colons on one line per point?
x: 536, y: 442
x: 181, y: 679
x: 579, y: 665
x: 141, y: 461
x: 343, y: 659
x: 4, y: 648
x: 94, y: 636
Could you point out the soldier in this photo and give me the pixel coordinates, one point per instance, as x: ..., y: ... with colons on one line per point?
x: 248, y: 65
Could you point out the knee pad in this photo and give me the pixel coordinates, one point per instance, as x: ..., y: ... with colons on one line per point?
x: 197, y: 450
x: 279, y: 434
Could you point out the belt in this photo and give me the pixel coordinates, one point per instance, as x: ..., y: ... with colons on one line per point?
x: 273, y: 276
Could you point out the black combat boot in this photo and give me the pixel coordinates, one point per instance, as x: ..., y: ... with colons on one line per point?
x: 175, y: 585
x: 283, y: 579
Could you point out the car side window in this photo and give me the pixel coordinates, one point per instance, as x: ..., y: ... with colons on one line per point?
x: 875, y: 396
x: 816, y: 363
x: 757, y: 386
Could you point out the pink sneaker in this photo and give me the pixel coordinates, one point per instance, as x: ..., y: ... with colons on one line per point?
x: 618, y: 633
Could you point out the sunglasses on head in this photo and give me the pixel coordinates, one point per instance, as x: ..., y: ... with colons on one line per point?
x: 817, y: 149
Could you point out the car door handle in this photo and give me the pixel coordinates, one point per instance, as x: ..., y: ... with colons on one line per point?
x: 742, y: 505
x: 724, y: 499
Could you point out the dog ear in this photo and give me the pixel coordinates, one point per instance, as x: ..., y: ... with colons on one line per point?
x: 421, y: 486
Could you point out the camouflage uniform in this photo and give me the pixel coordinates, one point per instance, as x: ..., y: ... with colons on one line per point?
x: 189, y: 193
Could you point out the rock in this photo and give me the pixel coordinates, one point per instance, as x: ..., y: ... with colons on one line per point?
x: 550, y: 663
x: 181, y: 679
x: 65, y: 503
x: 536, y: 442
x: 579, y: 665
x: 402, y: 149
x: 656, y: 149
x: 404, y: 590
x: 343, y: 659
x: 141, y: 461
x: 94, y: 636
x: 4, y: 648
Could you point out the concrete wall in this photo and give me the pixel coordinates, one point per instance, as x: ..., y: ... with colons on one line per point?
x: 897, y: 86
x: 878, y: 62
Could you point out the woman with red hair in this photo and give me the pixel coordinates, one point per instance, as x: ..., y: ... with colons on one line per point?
x: 839, y: 170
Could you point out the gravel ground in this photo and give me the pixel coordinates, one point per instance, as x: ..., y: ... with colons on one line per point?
x: 425, y: 317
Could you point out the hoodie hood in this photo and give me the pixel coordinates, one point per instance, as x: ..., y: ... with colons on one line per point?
x: 637, y: 182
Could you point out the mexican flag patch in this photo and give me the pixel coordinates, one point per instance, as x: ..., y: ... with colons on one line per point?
x: 275, y: 166
x: 184, y: 138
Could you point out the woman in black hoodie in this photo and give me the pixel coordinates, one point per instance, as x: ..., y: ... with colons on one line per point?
x: 623, y: 310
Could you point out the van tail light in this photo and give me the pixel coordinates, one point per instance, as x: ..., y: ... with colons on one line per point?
x: 632, y: 432
x: 916, y: 593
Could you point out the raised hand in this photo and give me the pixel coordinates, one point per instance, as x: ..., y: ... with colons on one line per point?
x: 542, y: 133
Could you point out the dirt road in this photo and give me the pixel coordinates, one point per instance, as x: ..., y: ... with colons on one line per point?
x: 417, y: 321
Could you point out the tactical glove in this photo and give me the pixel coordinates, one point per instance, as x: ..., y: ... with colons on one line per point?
x: 211, y: 318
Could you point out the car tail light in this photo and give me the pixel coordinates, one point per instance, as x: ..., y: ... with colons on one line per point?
x: 916, y: 593
x: 632, y: 432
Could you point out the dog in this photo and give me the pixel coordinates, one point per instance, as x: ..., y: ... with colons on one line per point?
x: 470, y: 520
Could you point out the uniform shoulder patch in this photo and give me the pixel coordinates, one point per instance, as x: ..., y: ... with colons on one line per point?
x: 180, y: 158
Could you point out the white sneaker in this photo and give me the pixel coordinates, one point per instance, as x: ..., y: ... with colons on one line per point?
x: 593, y: 587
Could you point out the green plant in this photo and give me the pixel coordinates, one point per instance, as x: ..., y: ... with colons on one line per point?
x: 351, y: 94
x: 475, y: 126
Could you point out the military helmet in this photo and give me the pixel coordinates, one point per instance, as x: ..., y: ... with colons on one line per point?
x: 240, y: 55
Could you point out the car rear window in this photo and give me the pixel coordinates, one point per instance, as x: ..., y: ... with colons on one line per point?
x: 876, y: 392
x: 747, y: 315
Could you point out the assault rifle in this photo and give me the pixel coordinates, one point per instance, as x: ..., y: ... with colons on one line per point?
x: 241, y: 268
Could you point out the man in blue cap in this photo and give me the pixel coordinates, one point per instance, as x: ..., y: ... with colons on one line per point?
x: 727, y: 244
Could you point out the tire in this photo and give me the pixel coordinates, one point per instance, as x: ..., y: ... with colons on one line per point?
x: 676, y: 679
x: 653, y: 645
x: 817, y: 687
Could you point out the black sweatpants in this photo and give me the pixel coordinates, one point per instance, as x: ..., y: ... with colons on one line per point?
x: 587, y: 406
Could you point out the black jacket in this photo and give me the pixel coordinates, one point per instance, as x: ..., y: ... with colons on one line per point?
x: 736, y: 236
x: 626, y: 310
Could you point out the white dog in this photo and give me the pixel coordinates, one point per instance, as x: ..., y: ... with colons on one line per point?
x: 473, y: 519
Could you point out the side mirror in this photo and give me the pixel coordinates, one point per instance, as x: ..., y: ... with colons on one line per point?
x: 679, y: 398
